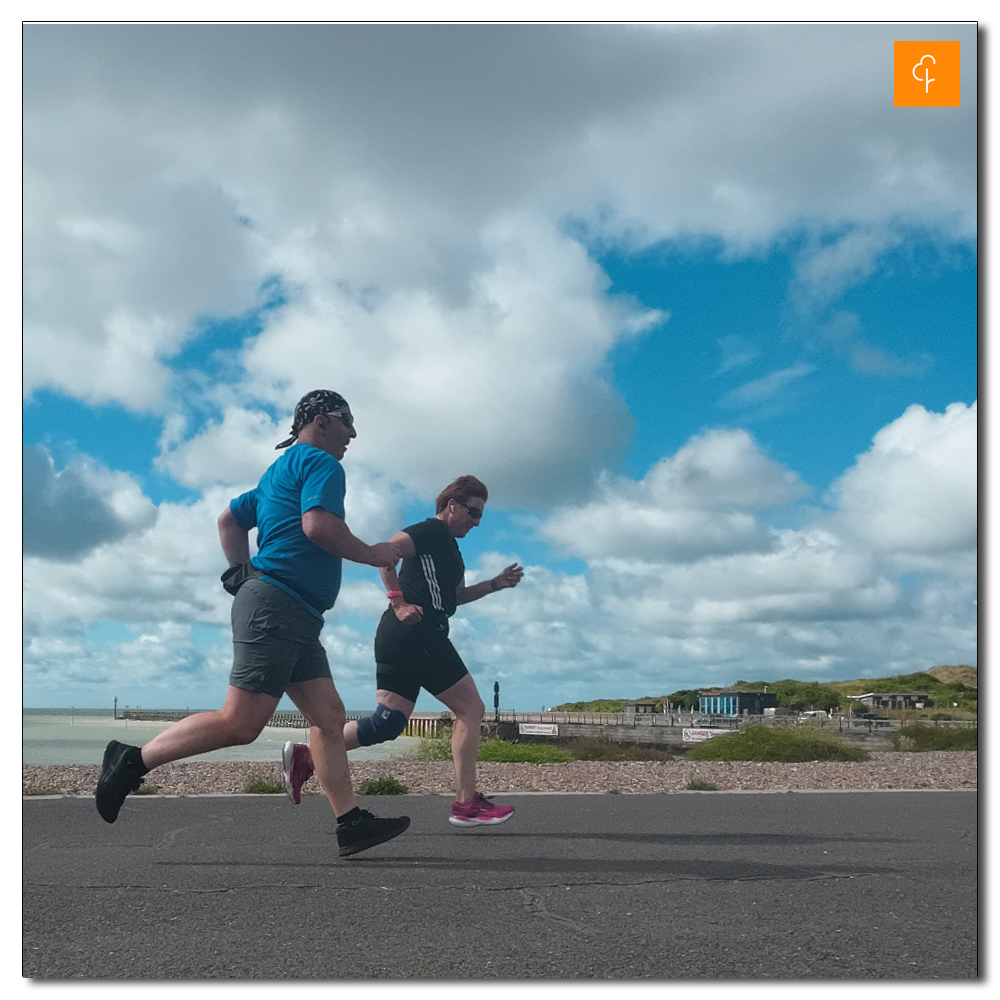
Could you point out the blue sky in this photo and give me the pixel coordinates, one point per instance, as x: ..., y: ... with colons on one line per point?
x: 712, y: 348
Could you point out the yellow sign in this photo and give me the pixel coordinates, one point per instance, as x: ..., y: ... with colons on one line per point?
x: 926, y: 75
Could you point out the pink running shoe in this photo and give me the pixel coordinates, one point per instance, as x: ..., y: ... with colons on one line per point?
x: 479, y: 811
x: 296, y: 769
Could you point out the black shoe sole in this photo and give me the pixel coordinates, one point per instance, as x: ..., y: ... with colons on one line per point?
x: 346, y: 850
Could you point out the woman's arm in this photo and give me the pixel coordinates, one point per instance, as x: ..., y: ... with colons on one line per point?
x: 408, y: 614
x: 509, y: 577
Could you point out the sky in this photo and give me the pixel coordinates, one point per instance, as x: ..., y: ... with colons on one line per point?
x: 696, y: 302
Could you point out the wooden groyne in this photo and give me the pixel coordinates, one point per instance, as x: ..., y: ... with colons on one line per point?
x: 422, y: 725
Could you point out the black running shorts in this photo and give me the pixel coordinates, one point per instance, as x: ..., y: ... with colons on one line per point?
x: 411, y: 657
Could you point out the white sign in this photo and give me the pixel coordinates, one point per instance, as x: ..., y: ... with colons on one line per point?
x: 536, y: 729
x: 700, y: 735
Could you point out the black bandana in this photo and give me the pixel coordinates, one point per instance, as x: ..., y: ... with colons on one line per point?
x: 310, y: 406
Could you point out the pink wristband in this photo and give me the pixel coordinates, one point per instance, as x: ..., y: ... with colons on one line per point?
x: 393, y: 593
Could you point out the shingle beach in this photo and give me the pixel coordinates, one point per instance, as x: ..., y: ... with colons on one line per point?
x: 942, y: 770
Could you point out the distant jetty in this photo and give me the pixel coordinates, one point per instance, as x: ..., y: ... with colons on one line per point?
x: 420, y: 725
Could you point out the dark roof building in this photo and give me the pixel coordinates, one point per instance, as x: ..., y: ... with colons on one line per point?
x: 734, y: 703
x: 894, y: 699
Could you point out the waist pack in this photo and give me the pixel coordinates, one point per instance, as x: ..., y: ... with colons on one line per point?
x: 237, y: 575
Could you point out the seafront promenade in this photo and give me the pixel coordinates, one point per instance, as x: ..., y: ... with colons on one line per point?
x: 692, y: 886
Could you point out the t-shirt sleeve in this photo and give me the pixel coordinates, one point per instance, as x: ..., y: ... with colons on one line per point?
x: 324, y: 485
x: 425, y: 538
x: 244, y: 509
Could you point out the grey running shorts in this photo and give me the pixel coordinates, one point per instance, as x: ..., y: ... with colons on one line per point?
x: 411, y: 657
x: 275, y: 641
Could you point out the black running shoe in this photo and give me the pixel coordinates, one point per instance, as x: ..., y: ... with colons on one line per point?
x: 367, y: 831
x: 121, y: 773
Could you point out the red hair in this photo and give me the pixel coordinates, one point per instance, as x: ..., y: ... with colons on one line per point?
x: 462, y: 490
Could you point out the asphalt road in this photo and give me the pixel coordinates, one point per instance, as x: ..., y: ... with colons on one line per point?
x: 713, y: 885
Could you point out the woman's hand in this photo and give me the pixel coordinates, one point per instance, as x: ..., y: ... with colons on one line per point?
x: 510, y: 577
x: 408, y: 614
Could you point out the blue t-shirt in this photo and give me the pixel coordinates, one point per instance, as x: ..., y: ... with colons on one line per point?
x: 304, y: 477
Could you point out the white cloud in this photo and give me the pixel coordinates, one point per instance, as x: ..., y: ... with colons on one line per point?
x: 375, y: 170
x: 68, y: 513
x: 697, y: 503
x: 762, y: 389
x: 915, y: 490
x: 507, y: 384
x: 232, y: 452
x: 422, y: 193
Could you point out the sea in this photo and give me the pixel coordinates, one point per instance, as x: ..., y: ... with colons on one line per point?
x: 79, y: 736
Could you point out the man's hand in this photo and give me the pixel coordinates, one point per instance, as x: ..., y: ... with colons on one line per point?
x: 385, y: 554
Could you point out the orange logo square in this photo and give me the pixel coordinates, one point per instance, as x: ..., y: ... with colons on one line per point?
x: 925, y: 74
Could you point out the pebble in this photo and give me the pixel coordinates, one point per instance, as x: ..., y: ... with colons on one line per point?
x: 942, y: 770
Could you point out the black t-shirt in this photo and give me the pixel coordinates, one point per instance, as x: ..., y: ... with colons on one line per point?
x: 431, y: 577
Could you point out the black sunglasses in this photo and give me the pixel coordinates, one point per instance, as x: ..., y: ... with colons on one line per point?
x: 345, y: 415
x: 475, y: 513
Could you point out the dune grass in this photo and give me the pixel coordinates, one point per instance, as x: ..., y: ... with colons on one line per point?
x: 922, y: 738
x: 777, y: 743
x: 384, y: 784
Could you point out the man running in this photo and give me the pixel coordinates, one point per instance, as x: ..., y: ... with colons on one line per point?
x: 412, y: 649
x: 298, y: 511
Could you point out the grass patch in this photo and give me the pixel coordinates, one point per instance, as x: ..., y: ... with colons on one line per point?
x: 263, y: 786
x: 41, y: 790
x: 502, y: 752
x: 920, y: 738
x: 434, y: 748
x: 384, y: 784
x: 145, y: 789
x: 778, y: 743
x: 697, y: 785
x: 601, y: 748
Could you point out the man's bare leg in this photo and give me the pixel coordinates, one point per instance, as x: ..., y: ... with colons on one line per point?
x: 239, y: 721
x: 320, y: 703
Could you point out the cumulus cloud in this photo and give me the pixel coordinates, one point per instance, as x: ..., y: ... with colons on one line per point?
x: 234, y: 450
x: 508, y: 385
x: 428, y: 198
x: 70, y: 512
x: 698, y: 502
x: 373, y: 167
x: 915, y: 490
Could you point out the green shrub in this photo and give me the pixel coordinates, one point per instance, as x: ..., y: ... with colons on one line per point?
x: 384, y: 784
x: 778, y: 743
x: 434, y: 748
x: 697, y: 785
x: 145, y: 789
x: 612, y: 705
x: 921, y: 737
x: 263, y: 786
x: 502, y: 752
x: 601, y: 748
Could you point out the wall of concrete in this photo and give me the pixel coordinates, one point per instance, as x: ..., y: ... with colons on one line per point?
x: 664, y: 736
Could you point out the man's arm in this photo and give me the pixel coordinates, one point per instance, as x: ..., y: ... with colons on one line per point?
x: 235, y: 541
x: 331, y: 533
x: 509, y: 577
